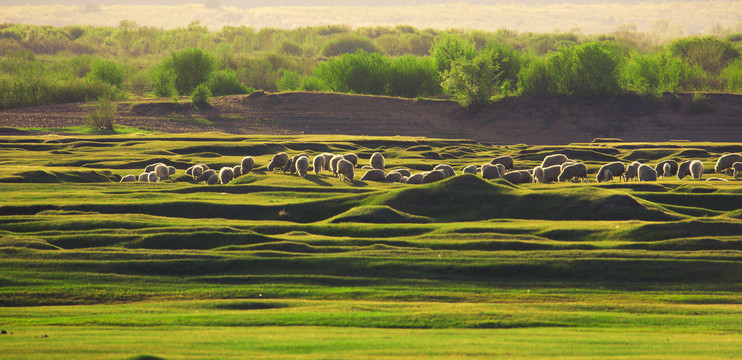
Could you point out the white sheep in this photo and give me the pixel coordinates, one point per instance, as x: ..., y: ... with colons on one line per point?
x: 129, y: 178
x: 684, y: 169
x: 144, y: 177
x: 551, y: 173
x: 377, y: 161
x: 538, y: 174
x: 213, y: 179
x: 247, y: 164
x: 608, y: 175
x: 666, y: 170
x: 737, y: 167
x: 226, y: 174
x: 162, y: 172
x: 197, y: 171
x: 404, y: 179
x: 573, y: 171
x: 206, y: 175
x: 291, y: 165
x: 318, y: 164
x: 565, y: 164
x: 393, y: 177
x: 506, y: 161
x: 490, y: 172
x: 278, y: 161
x: 660, y: 167
x: 696, y: 169
x: 152, y: 176
x: 469, y: 169
x: 617, y: 169
x: 328, y: 157
x: 374, y: 175
x: 518, y: 176
x: 415, y: 179
x: 171, y: 170
x: 334, y: 163
x: 353, y: 158
x: 556, y: 159
x: 447, y: 169
x: 646, y: 173
x: 151, y: 167
x: 302, y: 165
x: 403, y: 172
x: 726, y: 161
x: 433, y: 176
x: 237, y: 171
x: 345, y: 170
x: 632, y: 171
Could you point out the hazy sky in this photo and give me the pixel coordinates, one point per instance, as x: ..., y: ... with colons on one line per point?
x: 258, y: 3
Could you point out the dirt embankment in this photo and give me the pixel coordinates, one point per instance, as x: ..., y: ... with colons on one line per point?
x: 522, y: 119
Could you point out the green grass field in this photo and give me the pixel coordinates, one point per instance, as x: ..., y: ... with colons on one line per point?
x: 277, y: 266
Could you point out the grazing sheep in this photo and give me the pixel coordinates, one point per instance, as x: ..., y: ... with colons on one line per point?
x: 189, y: 171
x: 646, y: 173
x: 505, y: 161
x: 171, y: 170
x: 144, y: 177
x: 501, y: 168
x: 353, y: 158
x: 470, y: 169
x: 204, y: 167
x: 556, y: 159
x: 447, y: 169
x: 393, y: 177
x: 660, y: 167
x: 565, y: 164
x: 403, y: 172
x: 684, y: 169
x: 617, y: 169
x: 129, y: 178
x: 237, y: 171
x: 328, y: 157
x: 538, y: 174
x: 367, y: 167
x: 302, y: 165
x: 551, y: 173
x: 197, y: 171
x: 404, y: 179
x: 278, y: 161
x: 490, y: 172
x: 377, y: 161
x: 518, y: 176
x: 152, y: 176
x: 345, y: 170
x: 726, y: 161
x: 632, y: 171
x: 433, y: 176
x: 696, y: 169
x: 162, y: 172
x: 716, y: 179
x: 151, y: 167
x: 608, y: 175
x: 206, y: 175
x: 318, y: 164
x: 334, y: 163
x: 213, y: 179
x: 415, y: 179
x: 247, y: 164
x: 226, y: 174
x: 573, y: 171
x: 666, y: 170
x: 374, y: 175
x: 737, y: 167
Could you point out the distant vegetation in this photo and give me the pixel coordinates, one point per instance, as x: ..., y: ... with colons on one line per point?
x: 44, y: 64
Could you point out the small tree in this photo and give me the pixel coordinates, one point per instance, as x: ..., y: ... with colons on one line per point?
x: 473, y: 82
x: 107, y: 72
x: 652, y: 74
x: 103, y: 115
x: 201, y: 96
x: 190, y: 68
x: 449, y: 48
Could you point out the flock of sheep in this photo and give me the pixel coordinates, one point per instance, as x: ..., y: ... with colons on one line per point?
x: 553, y: 168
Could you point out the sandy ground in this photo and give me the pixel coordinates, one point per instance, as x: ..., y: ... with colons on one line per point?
x: 510, y: 121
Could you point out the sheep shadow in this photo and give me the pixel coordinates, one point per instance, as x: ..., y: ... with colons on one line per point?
x: 317, y: 180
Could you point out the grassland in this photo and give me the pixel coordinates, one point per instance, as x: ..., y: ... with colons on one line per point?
x: 278, y: 266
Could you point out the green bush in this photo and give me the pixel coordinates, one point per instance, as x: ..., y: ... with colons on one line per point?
x: 362, y: 73
x: 536, y: 78
x: 190, y: 68
x: 732, y: 76
x: 201, y: 96
x: 108, y: 72
x: 348, y: 44
x: 411, y: 76
x: 290, y: 81
x: 311, y: 83
x: 509, y: 60
x: 652, y: 74
x: 291, y: 48
x: 474, y: 82
x: 225, y: 82
x: 710, y: 53
x: 449, y: 48
x: 163, y: 84
x: 102, y: 117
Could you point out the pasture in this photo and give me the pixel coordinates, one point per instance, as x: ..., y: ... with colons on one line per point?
x: 273, y: 265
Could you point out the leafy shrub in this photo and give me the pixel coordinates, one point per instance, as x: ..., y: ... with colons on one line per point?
x: 311, y: 83
x: 201, y: 96
x: 108, y: 72
x: 103, y: 115
x: 710, y: 53
x: 291, y: 48
x: 290, y: 81
x: 652, y: 74
x: 732, y: 76
x: 163, y: 84
x: 509, y: 60
x: 449, y: 48
x: 190, y: 68
x: 411, y: 76
x: 362, y: 73
x: 225, y: 82
x: 348, y: 44
x: 473, y: 82
x: 536, y: 78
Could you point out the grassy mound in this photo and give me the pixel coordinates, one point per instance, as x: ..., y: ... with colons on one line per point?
x: 378, y: 214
